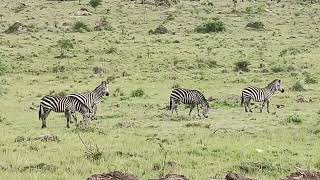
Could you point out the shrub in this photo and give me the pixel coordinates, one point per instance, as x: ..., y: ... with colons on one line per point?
x: 99, y: 70
x: 64, y: 45
x: 58, y: 68
x: 242, y: 66
x: 159, y: 30
x: 277, y: 69
x: 2, y: 68
x: 137, y: 93
x: 255, y: 25
x: 298, y: 86
x: 175, y: 85
x: 103, y: 24
x: 310, y: 80
x: 211, y: 26
x: 118, y: 92
x: 294, y: 119
x: 95, y: 3
x: 41, y: 167
x: 80, y: 27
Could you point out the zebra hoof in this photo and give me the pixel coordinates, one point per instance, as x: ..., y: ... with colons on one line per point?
x: 43, y: 126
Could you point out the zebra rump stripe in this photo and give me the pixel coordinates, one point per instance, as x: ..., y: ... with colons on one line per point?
x: 191, y: 97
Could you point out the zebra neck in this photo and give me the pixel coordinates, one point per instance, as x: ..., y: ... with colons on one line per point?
x: 271, y: 90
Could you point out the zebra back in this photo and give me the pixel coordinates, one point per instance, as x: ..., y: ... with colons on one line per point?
x: 91, y: 99
x: 189, y: 96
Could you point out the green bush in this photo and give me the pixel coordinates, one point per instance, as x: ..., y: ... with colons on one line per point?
x: 95, y: 3
x: 255, y: 25
x: 211, y: 26
x: 137, y: 93
x: 80, y: 27
x: 294, y: 119
x: 242, y: 66
x: 310, y: 80
x: 298, y: 86
x: 2, y: 68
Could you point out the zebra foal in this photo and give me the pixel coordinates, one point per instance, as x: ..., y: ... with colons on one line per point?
x: 91, y: 99
x: 260, y: 94
x: 62, y: 104
x: 191, y: 97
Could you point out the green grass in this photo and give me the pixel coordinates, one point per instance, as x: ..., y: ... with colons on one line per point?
x: 130, y: 126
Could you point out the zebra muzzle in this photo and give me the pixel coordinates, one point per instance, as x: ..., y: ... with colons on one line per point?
x: 282, y: 90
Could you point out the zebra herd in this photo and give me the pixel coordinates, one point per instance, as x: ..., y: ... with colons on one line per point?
x: 86, y: 104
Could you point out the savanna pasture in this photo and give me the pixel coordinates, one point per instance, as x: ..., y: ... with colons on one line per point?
x: 146, y: 48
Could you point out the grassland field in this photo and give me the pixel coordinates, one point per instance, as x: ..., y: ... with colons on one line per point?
x: 136, y: 134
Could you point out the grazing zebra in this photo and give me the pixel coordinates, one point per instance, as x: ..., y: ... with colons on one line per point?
x: 260, y: 94
x: 91, y: 99
x: 191, y: 97
x: 60, y: 104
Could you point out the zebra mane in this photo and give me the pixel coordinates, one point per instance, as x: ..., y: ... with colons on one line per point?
x: 202, y: 97
x: 272, y: 83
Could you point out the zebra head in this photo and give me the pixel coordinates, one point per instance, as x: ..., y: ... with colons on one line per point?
x: 205, y: 110
x: 277, y: 84
x: 102, y: 89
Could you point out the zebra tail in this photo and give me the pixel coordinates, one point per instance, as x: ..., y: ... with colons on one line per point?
x: 170, y: 104
x: 40, y: 112
x: 242, y: 100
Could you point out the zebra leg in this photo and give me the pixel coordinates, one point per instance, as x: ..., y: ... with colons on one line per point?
x: 248, y: 105
x: 268, y: 106
x: 46, y: 113
x: 191, y: 108
x: 68, y: 115
x: 94, y: 109
x: 174, y: 107
x: 75, y: 117
x: 264, y: 102
x: 198, y: 111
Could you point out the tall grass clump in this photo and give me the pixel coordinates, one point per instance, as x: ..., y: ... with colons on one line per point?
x: 310, y: 79
x: 2, y: 68
x: 137, y: 93
x: 255, y: 25
x: 242, y: 66
x: 298, y: 86
x: 296, y: 119
x: 64, y: 45
x: 211, y: 26
x: 80, y: 27
x: 95, y: 3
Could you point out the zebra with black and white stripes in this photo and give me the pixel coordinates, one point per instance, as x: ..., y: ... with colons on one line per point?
x: 260, y: 94
x: 92, y: 99
x: 61, y: 104
x: 191, y: 97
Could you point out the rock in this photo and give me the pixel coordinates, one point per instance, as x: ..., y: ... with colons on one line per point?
x: 301, y: 174
x: 174, y: 177
x: 116, y: 175
x: 47, y: 138
x: 234, y: 176
x: 17, y: 27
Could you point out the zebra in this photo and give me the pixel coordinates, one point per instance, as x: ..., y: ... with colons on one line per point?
x: 260, y: 94
x: 190, y: 97
x: 92, y: 99
x: 61, y: 104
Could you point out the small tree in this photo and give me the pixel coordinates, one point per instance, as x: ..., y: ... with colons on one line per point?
x: 64, y: 44
x: 95, y: 3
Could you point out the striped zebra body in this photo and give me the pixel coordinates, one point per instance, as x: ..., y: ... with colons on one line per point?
x: 191, y: 97
x: 61, y: 104
x: 263, y: 95
x: 92, y: 99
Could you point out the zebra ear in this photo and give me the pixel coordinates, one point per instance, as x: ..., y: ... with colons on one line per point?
x: 104, y: 82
